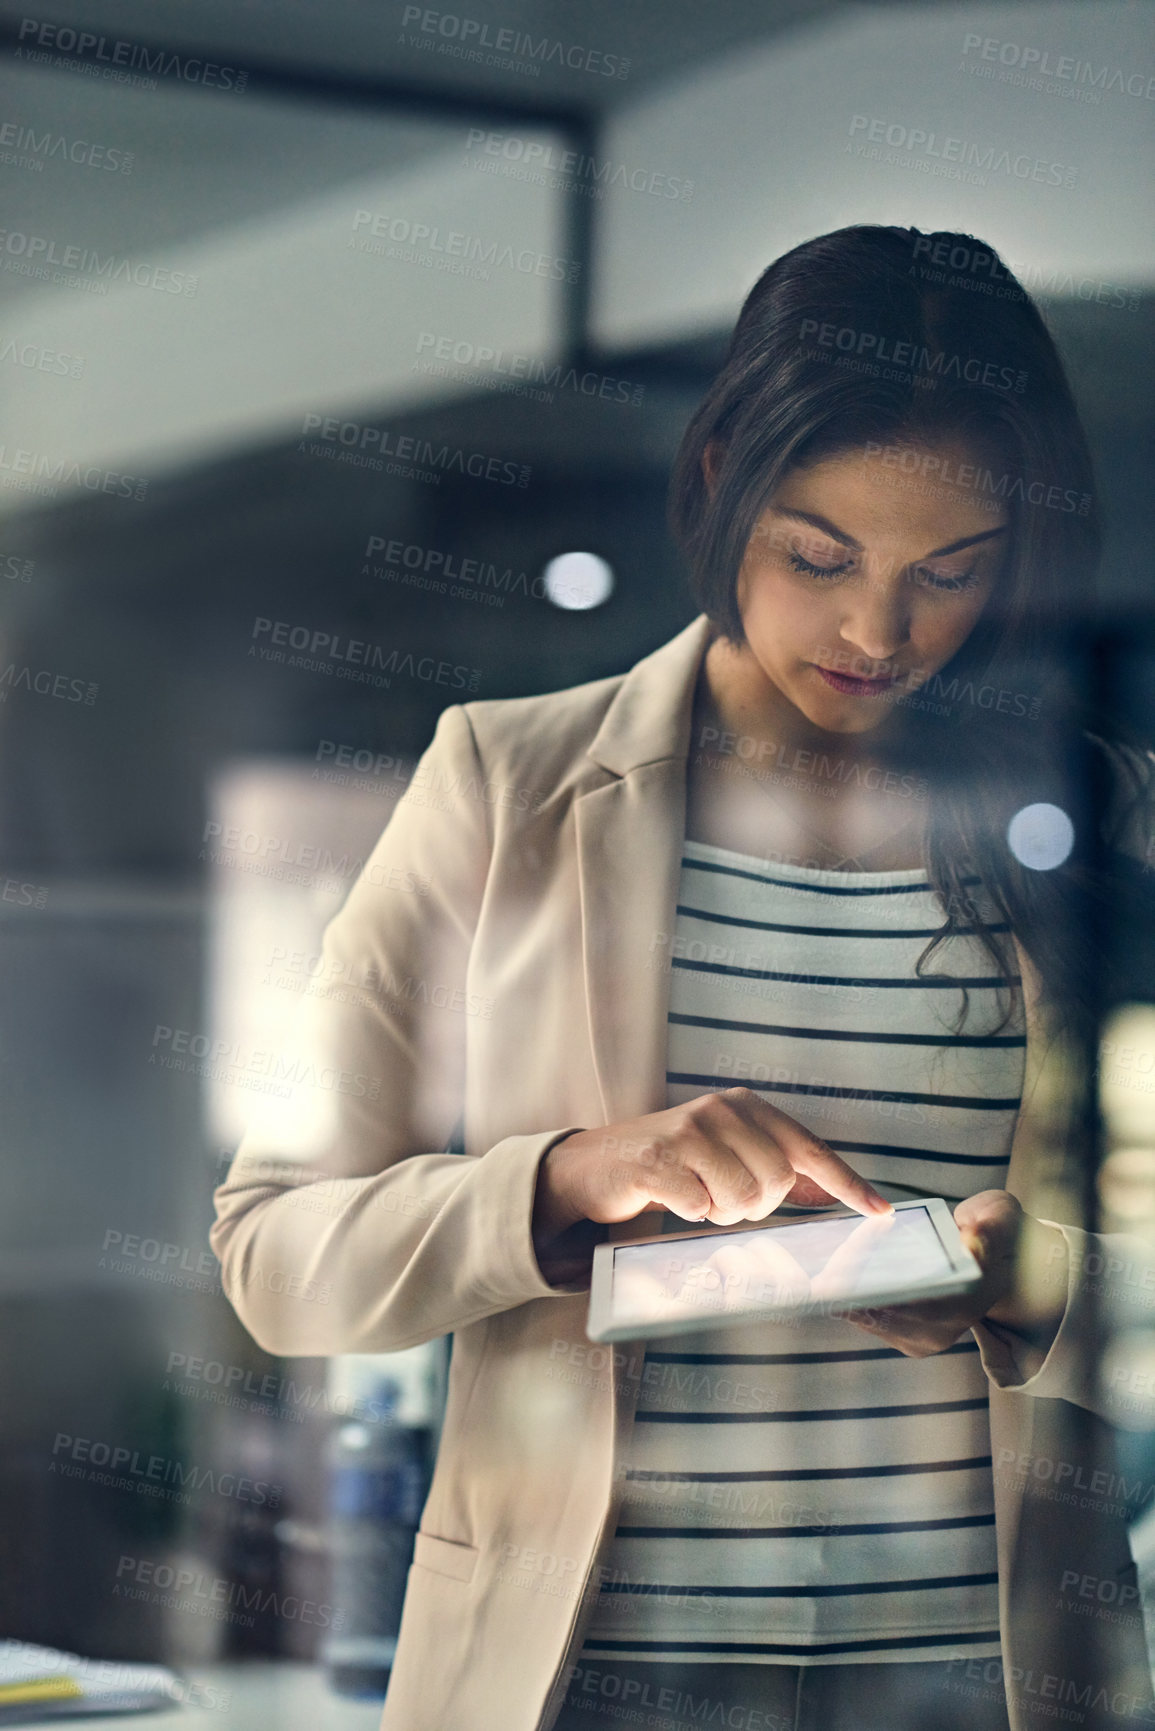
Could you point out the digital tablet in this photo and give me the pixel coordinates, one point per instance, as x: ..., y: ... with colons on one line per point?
x: 810, y: 1264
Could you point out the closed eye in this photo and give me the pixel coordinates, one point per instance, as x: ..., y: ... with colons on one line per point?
x: 804, y: 565
x: 955, y: 583
x: 945, y: 583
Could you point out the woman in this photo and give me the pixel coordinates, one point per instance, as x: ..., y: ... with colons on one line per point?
x: 775, y: 852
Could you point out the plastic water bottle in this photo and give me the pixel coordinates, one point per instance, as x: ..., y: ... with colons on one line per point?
x: 378, y: 1477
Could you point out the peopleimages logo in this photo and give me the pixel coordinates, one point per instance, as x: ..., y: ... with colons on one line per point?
x: 330, y: 651
x: 115, y: 54
x: 36, y: 358
x: 961, y: 153
x: 215, y: 1596
x: 45, y: 682
x: 465, y: 38
x: 1015, y: 488
x: 976, y: 269
x: 119, y: 1674
x: 132, y: 1469
x: 503, y: 366
x: 50, y: 472
x: 445, y: 572
x: 1037, y: 64
x: 248, y: 1388
x: 545, y: 164
x: 39, y: 146
x: 928, y: 365
x: 297, y: 1072
x: 358, y: 442
x: 37, y: 252
x: 453, y: 250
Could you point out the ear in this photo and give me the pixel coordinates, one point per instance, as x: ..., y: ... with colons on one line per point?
x: 711, y: 466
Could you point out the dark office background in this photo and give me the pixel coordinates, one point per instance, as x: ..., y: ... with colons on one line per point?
x: 152, y: 601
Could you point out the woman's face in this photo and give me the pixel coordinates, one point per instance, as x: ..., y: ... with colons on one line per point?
x: 863, y: 577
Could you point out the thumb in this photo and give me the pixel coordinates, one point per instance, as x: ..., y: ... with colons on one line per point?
x: 986, y: 1223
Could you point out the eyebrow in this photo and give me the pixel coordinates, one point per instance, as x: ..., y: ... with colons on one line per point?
x: 837, y: 534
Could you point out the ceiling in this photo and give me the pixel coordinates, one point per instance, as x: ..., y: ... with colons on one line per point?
x: 335, y: 91
x: 581, y: 56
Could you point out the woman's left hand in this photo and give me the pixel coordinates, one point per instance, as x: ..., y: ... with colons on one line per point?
x: 992, y: 1225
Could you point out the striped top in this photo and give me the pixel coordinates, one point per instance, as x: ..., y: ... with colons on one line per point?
x: 797, y: 1492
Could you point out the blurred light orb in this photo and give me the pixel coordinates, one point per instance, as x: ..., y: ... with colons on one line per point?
x: 578, y: 581
x: 1041, y: 836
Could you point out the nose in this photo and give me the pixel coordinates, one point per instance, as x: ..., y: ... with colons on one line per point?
x: 876, y: 623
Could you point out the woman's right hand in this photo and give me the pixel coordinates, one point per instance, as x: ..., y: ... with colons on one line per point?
x: 720, y: 1158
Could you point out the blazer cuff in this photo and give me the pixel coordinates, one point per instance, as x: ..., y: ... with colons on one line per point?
x: 509, y: 1170
x: 1059, y: 1373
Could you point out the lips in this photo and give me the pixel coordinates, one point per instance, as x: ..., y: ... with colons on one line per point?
x: 857, y: 687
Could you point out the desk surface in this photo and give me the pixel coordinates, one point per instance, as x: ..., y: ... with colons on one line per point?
x: 263, y: 1695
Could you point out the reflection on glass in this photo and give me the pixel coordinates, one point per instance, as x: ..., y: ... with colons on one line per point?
x: 812, y: 1262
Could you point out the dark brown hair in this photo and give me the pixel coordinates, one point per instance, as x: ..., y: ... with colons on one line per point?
x: 891, y: 340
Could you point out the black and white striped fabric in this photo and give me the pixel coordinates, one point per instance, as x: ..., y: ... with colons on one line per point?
x: 801, y: 1493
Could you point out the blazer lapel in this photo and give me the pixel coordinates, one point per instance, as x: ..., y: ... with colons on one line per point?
x: 629, y: 836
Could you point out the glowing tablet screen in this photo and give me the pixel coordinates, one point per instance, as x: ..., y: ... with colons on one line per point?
x: 812, y: 1264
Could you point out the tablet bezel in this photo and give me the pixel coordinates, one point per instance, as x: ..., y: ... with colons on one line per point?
x: 964, y: 1272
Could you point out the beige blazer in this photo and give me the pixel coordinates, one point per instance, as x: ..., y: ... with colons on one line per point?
x: 502, y: 960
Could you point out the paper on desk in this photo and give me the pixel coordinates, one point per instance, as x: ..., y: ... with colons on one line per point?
x: 42, y: 1683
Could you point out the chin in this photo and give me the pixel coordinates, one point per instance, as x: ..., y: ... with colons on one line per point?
x: 845, y: 725
x: 833, y: 719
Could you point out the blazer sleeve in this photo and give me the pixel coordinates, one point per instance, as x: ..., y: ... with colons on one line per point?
x: 1110, y: 1299
x: 1109, y: 1277
x: 337, y: 1230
